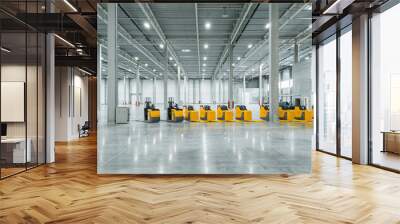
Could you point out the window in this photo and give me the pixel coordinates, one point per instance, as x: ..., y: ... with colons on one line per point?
x: 327, y: 96
x: 346, y: 93
x: 385, y: 89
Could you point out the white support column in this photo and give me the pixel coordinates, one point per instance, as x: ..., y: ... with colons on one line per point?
x: 293, y: 89
x: 129, y: 91
x: 223, y: 90
x: 360, y: 90
x: 124, y: 101
x: 260, y: 86
x: 165, y: 78
x: 273, y: 60
x: 154, y: 100
x: 141, y: 90
x: 218, y: 94
x: 244, y: 89
x: 185, y: 92
x: 99, y: 78
x: 112, y: 62
x: 200, y: 87
x: 178, y: 87
x: 194, y: 91
x: 50, y: 98
x: 138, y: 85
x: 212, y: 89
x: 221, y: 100
x: 230, y: 83
x: 296, y: 52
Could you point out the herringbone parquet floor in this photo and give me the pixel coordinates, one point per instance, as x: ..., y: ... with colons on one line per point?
x: 70, y: 191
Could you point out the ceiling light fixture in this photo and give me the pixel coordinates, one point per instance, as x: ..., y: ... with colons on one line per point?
x: 64, y: 40
x: 205, y: 46
x: 84, y: 71
x: 154, y: 70
x: 268, y: 25
x: 175, y: 64
x: 145, y: 65
x: 208, y: 25
x: 204, y: 64
x: 224, y: 14
x: 136, y: 58
x: 186, y: 50
x: 238, y: 58
x: 161, y: 46
x: 5, y: 50
x: 70, y: 5
x: 249, y: 46
x: 170, y: 58
x: 334, y: 8
x: 146, y: 25
x: 205, y: 58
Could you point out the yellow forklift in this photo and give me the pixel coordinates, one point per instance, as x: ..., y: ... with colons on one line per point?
x: 175, y: 114
x: 191, y: 114
x: 242, y: 114
x: 286, y: 111
x: 302, y: 114
x: 206, y: 114
x: 151, y: 113
x: 264, y: 112
x: 223, y: 114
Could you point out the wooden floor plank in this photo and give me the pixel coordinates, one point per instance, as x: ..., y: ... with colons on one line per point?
x: 70, y: 191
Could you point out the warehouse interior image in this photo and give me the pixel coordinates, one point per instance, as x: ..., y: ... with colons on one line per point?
x: 205, y: 88
x: 155, y: 111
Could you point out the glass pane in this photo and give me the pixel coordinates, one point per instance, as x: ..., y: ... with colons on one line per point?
x: 386, y: 89
x: 102, y: 50
x: 327, y: 96
x: 31, y: 97
x: 346, y: 93
x: 41, y: 99
x: 32, y: 88
x: 14, y: 153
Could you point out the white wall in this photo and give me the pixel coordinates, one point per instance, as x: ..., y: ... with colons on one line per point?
x: 34, y: 124
x: 69, y: 112
x: 16, y: 72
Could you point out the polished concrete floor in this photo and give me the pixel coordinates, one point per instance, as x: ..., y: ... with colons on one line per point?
x: 204, y: 148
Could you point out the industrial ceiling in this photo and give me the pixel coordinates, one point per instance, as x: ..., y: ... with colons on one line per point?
x: 197, y: 37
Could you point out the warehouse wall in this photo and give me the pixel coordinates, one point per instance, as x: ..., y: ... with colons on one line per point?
x: 302, y: 80
x: 127, y: 91
x: 301, y: 87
